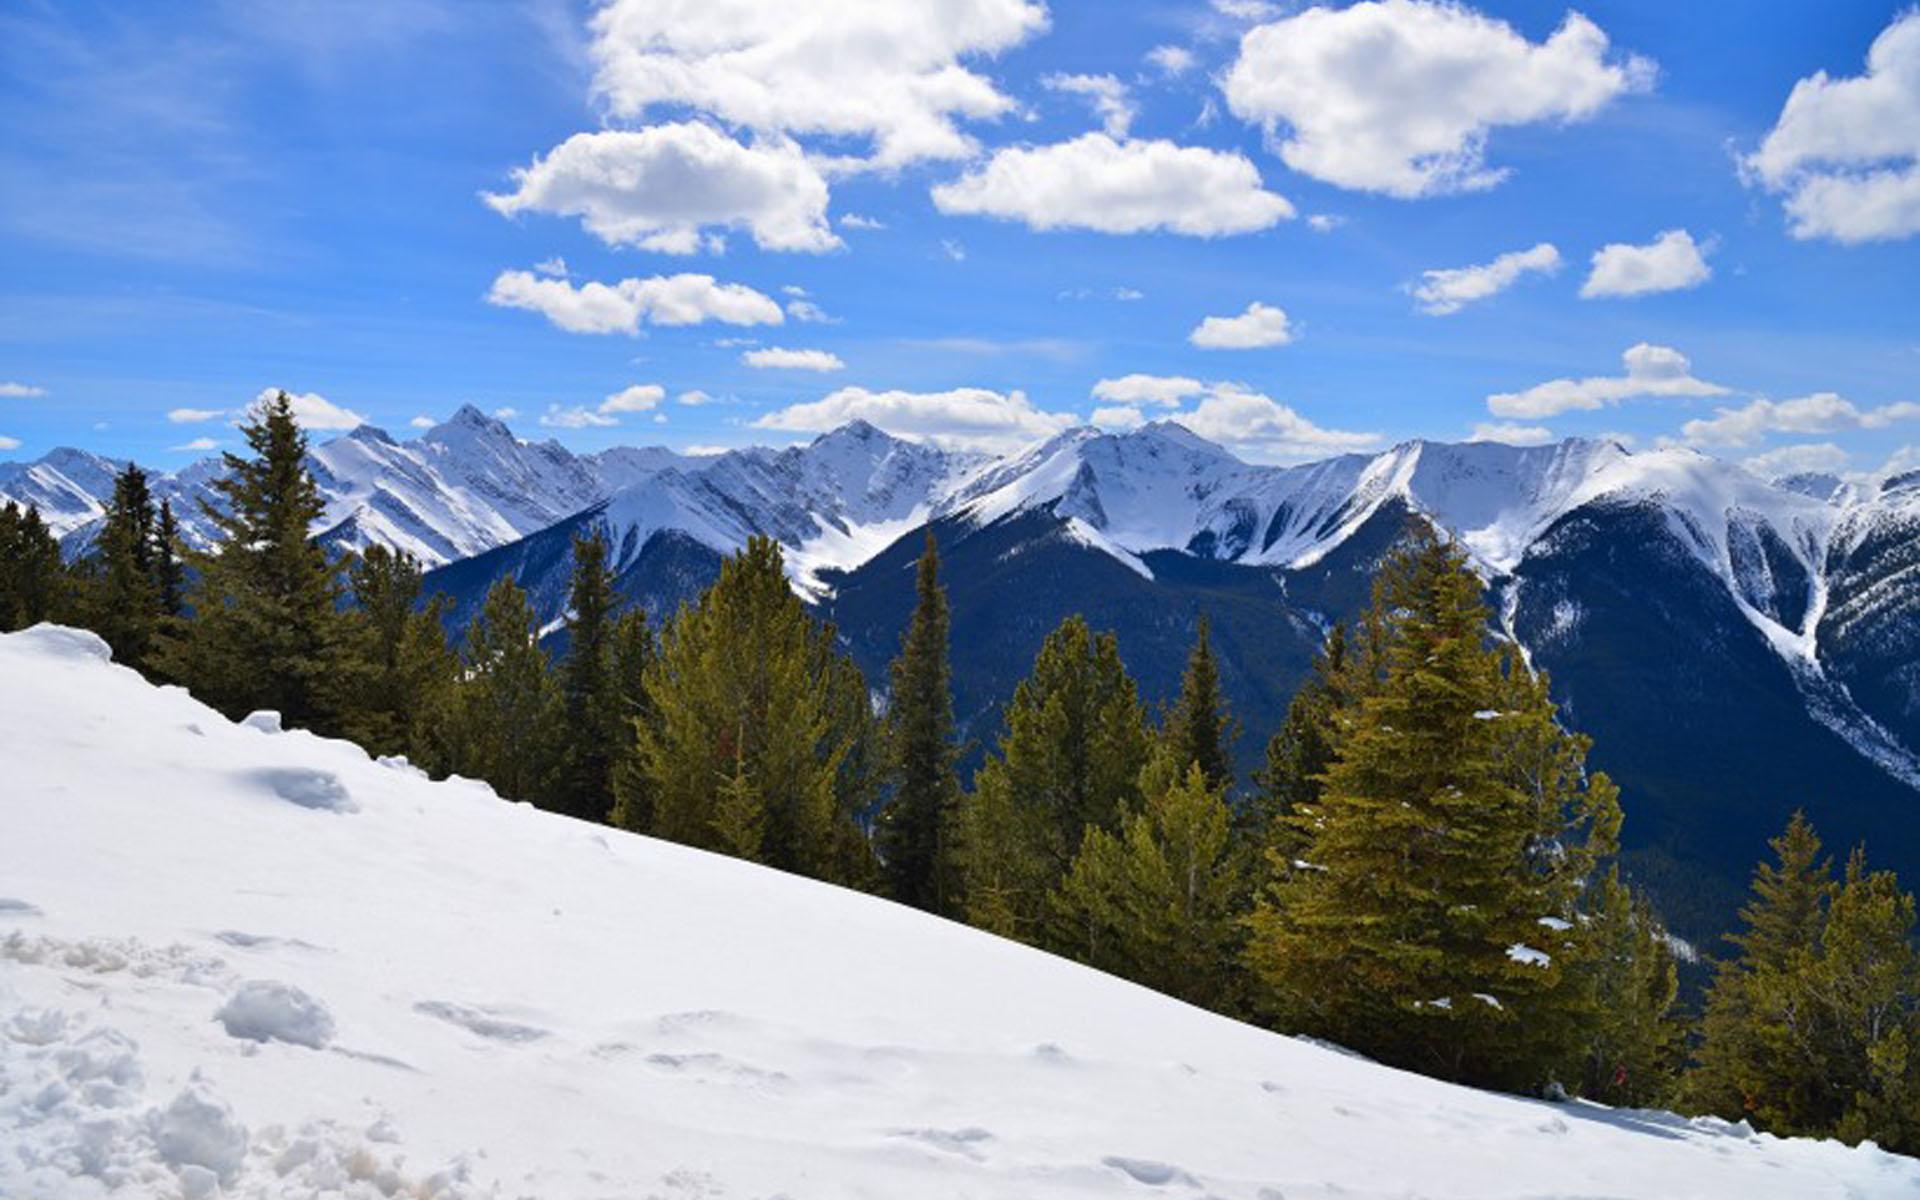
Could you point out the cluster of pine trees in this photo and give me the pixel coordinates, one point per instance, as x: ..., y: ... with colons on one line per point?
x: 1422, y: 871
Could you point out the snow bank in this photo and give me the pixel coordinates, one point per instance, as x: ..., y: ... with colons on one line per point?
x: 515, y: 1004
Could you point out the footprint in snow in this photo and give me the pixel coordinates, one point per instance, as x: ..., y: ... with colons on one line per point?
x: 480, y: 1022
x: 1149, y: 1171
x: 965, y: 1142
x: 305, y: 787
x: 9, y: 907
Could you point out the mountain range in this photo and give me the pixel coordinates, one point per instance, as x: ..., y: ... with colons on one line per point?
x: 1737, y: 647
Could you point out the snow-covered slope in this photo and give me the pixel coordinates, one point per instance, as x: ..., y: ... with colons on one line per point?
x: 243, y: 962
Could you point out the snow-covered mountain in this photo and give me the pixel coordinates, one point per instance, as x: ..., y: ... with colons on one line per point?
x: 241, y: 962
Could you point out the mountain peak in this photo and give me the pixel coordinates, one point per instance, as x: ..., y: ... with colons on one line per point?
x: 468, y: 424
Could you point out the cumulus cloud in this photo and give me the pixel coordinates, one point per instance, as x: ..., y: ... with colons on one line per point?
x: 969, y: 418
x: 1845, y: 153
x: 779, y: 358
x: 1095, y: 182
x: 196, y: 446
x: 1259, y: 427
x: 1672, y: 262
x: 1109, y: 97
x: 1171, y: 60
x: 423, y: 422
x: 14, y: 390
x: 1650, y: 371
x: 660, y: 188
x: 1325, y: 222
x: 1797, y: 460
x: 624, y: 306
x: 856, y: 221
x: 1168, y: 391
x: 1449, y: 290
x: 1399, y: 96
x: 576, y: 417
x: 1822, y: 412
x: 311, y: 410
x: 1117, y: 416
x: 890, y: 73
x: 555, y: 266
x: 641, y: 397
x: 193, y: 416
x: 1511, y: 433
x: 693, y: 398
x: 1261, y: 325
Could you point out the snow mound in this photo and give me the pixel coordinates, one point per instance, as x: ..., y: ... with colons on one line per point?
x: 60, y: 642
x: 539, y: 1008
x: 307, y: 788
x: 265, y: 1011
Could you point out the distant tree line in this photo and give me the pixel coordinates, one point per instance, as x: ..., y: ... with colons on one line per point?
x: 1423, y: 871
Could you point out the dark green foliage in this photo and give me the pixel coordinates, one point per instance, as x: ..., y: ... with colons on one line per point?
x: 502, y: 723
x: 916, y: 831
x: 267, y: 625
x: 588, y: 688
x: 1075, y: 743
x: 169, y: 572
x: 1625, y: 983
x: 1301, y: 750
x: 33, y: 585
x: 1158, y: 901
x: 1814, y: 1027
x: 1455, y: 817
x: 122, y: 595
x: 633, y: 654
x: 1198, y: 729
x: 398, y: 668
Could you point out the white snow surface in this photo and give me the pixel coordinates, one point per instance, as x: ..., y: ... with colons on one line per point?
x: 498, y: 1002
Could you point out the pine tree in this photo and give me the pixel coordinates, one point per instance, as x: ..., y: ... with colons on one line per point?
x: 1431, y: 920
x: 633, y: 654
x: 588, y: 687
x: 744, y: 748
x: 503, y: 722
x: 916, y: 833
x: 169, y: 573
x: 854, y: 739
x: 1626, y: 982
x: 1867, y: 987
x: 1075, y: 743
x: 33, y: 583
x: 1301, y: 750
x: 123, y: 603
x: 1158, y: 902
x: 1198, y: 728
x: 399, y: 668
x: 267, y: 625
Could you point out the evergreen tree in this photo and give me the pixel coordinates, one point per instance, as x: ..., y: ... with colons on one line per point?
x: 1301, y: 750
x: 588, y: 687
x: 1075, y: 743
x: 854, y: 738
x: 1433, y: 916
x: 1158, y: 902
x: 1627, y: 984
x: 32, y: 580
x: 123, y: 600
x: 399, y: 669
x: 1198, y: 729
x: 633, y: 654
x: 169, y: 573
x: 745, y: 745
x: 503, y: 722
x: 916, y: 830
x: 267, y: 625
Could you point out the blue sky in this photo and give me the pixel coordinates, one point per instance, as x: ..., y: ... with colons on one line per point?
x: 995, y: 205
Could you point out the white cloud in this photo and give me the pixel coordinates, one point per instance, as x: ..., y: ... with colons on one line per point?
x: 1095, y: 182
x: 954, y: 251
x: 778, y: 358
x: 14, y: 390
x: 423, y: 422
x: 1109, y: 97
x: 1449, y: 290
x: 555, y: 266
x: 856, y: 221
x: 505, y: 413
x: 576, y: 417
x: 1399, y: 96
x: 1128, y: 294
x: 660, y: 188
x: 1650, y: 371
x: 1822, y: 412
x: 1325, y: 222
x: 641, y: 397
x: 808, y: 312
x: 1672, y: 262
x: 311, y: 410
x: 1797, y: 460
x: 624, y: 306
x: 1168, y: 391
x: 1118, y: 416
x: 9, y: 443
x: 1845, y: 152
x: 693, y: 398
x: 1171, y: 60
x: 1511, y: 433
x: 193, y: 416
x: 1260, y: 427
x: 196, y: 446
x: 888, y: 72
x: 972, y: 418
x: 1261, y: 325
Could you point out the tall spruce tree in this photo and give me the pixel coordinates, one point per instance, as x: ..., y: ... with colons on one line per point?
x: 1198, y: 728
x: 916, y: 831
x: 633, y: 654
x: 1301, y: 750
x: 123, y: 597
x: 1627, y: 983
x: 503, y: 720
x: 399, y: 668
x: 743, y: 749
x: 267, y: 624
x: 1430, y: 918
x: 33, y: 583
x: 588, y: 687
x: 169, y: 573
x: 1076, y: 740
